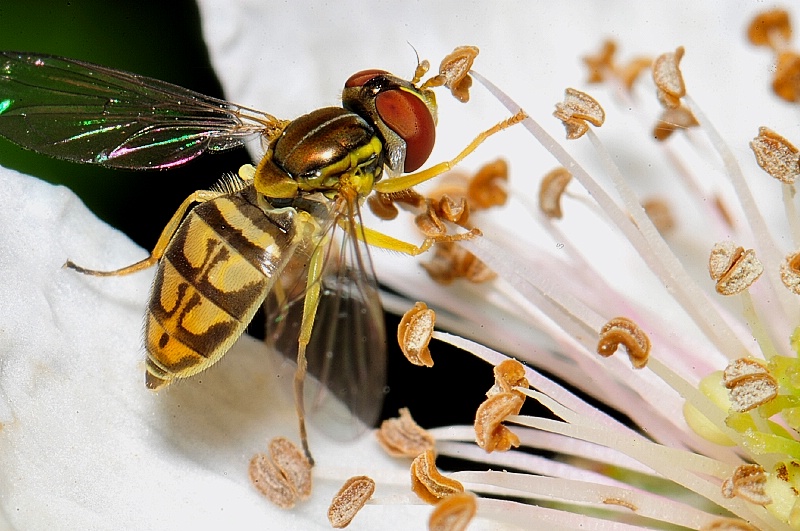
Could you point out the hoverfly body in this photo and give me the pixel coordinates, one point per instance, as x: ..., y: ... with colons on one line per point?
x: 225, y: 250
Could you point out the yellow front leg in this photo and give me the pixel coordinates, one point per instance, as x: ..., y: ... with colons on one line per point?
x: 398, y: 184
x: 200, y: 196
x: 384, y: 241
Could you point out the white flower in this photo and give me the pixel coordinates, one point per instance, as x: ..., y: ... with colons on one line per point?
x: 84, y: 445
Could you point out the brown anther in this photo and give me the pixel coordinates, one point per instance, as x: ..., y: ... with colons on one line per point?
x: 770, y: 28
x: 487, y: 188
x: 668, y: 78
x: 622, y: 331
x: 453, y: 183
x: 749, y: 384
x: 490, y: 433
x: 551, y: 190
x: 472, y: 268
x: 451, y: 261
x: 734, y: 268
x: 660, y: 214
x: 776, y: 155
x: 727, y: 524
x: 747, y: 482
x: 455, y: 67
x: 601, y: 66
x: 453, y: 210
x: 414, y: 334
x: 284, y: 476
x: 407, y: 197
x: 428, y: 483
x: 453, y: 513
x: 790, y: 272
x: 454, y: 72
x: 293, y: 464
x: 349, y: 500
x: 403, y: 437
x: 577, y: 109
x: 270, y: 482
x: 508, y: 375
x: 441, y: 266
x: 672, y: 119
x: 602, y: 63
x: 723, y: 256
x: 383, y: 205
x: 429, y: 222
x: 629, y: 72
x: 742, y: 368
x: 786, y: 82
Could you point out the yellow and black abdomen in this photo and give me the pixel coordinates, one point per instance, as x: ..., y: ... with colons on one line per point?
x: 215, y: 273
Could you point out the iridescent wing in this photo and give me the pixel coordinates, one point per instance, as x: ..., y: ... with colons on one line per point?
x: 89, y: 113
x: 347, y: 352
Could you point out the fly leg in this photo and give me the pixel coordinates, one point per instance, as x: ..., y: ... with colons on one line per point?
x: 384, y: 241
x: 404, y: 182
x: 310, y: 304
x: 200, y: 196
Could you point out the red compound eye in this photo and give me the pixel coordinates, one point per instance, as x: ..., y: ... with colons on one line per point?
x: 360, y: 78
x: 408, y: 116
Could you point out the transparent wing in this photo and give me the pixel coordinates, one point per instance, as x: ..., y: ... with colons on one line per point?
x: 347, y: 352
x: 89, y: 113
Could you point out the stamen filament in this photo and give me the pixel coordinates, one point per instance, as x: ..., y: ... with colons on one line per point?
x: 768, y: 250
x: 662, y: 262
x: 788, y: 193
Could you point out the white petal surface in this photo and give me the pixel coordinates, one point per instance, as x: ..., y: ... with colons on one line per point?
x: 83, y: 443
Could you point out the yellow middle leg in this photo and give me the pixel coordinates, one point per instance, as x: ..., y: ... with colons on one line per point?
x: 310, y: 304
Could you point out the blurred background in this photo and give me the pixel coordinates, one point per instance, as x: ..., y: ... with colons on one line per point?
x: 141, y: 37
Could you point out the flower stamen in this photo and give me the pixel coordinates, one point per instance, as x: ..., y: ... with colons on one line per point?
x: 749, y: 384
x: 668, y: 78
x: 734, y: 268
x: 747, y: 482
x: 490, y: 433
x: 550, y: 191
x: 621, y: 331
x: 283, y: 476
x: 428, y: 483
x: 454, y: 72
x: 453, y: 513
x: 403, y: 437
x: 414, y: 334
x: 486, y: 188
x: 576, y: 110
x: 353, y: 495
x: 776, y: 155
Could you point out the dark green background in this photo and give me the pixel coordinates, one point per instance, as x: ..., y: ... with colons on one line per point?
x: 139, y: 37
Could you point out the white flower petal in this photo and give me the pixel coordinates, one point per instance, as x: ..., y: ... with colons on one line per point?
x: 81, y: 438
